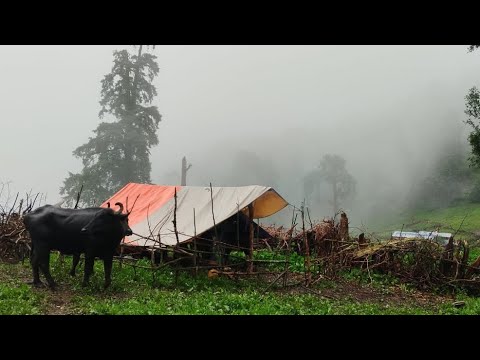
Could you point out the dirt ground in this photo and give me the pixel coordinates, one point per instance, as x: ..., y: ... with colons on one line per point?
x: 394, y: 295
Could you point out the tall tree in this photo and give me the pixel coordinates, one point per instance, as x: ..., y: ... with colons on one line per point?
x: 119, y: 152
x: 472, y: 102
x: 331, y: 170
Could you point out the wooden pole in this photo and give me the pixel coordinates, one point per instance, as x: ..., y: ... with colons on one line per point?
x: 315, y: 250
x: 287, y: 256
x: 214, y: 224
x: 152, y: 264
x: 175, y: 229
x: 20, y: 208
x: 238, y: 226
x: 195, y: 243
x: 175, y: 217
x: 78, y: 197
x: 250, y: 238
x: 307, y: 249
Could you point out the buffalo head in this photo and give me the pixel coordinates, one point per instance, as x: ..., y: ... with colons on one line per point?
x: 109, y: 222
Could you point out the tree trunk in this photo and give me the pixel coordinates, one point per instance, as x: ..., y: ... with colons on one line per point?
x: 185, y: 168
x: 250, y: 238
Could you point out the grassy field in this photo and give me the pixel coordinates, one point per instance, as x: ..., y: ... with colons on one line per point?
x: 462, y: 220
x: 136, y: 292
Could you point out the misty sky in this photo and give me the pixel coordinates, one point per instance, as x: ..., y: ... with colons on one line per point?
x: 385, y: 109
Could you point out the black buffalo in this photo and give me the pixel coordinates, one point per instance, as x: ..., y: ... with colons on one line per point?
x: 95, y: 232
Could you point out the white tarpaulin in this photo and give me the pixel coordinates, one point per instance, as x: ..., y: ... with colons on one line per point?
x: 151, y: 220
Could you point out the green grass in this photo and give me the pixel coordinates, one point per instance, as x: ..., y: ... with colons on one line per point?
x: 224, y: 301
x: 446, y: 220
x: 203, y: 296
x: 137, y: 293
x: 462, y: 220
x: 17, y: 298
x: 295, y: 261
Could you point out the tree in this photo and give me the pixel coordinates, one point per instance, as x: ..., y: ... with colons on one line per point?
x: 332, y: 171
x: 472, y: 102
x: 473, y: 47
x: 450, y: 180
x: 119, y: 152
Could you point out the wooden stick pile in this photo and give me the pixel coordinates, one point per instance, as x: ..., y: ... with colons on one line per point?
x: 15, y: 242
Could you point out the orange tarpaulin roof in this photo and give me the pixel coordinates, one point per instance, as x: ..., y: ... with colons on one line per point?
x: 150, y: 199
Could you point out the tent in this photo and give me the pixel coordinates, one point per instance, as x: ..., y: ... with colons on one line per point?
x: 153, y: 212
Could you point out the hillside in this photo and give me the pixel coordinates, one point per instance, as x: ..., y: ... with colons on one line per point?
x: 462, y: 219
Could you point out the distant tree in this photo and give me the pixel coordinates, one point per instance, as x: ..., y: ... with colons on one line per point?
x: 331, y: 170
x: 450, y: 180
x: 119, y: 152
x: 473, y: 47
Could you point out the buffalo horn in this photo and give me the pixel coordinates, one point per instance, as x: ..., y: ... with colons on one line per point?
x: 120, y: 205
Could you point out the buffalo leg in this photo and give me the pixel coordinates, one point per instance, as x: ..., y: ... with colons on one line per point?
x: 45, y: 267
x: 76, y: 259
x: 89, y: 261
x: 107, y: 265
x: 35, y: 267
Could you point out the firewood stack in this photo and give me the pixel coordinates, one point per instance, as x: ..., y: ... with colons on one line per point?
x: 14, y: 238
x: 15, y: 243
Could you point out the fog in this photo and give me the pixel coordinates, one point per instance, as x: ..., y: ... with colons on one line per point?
x: 246, y: 115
